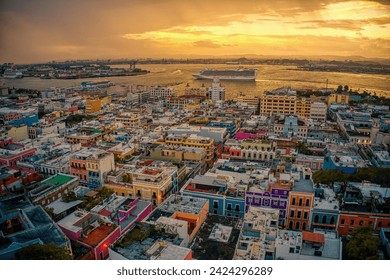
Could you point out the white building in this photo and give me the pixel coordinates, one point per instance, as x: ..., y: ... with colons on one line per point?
x: 258, y: 234
x: 317, y: 245
x: 318, y: 111
x: 161, y: 92
x: 216, y: 91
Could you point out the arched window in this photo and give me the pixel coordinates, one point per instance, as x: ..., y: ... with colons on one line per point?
x: 293, y: 201
x: 303, y: 226
x: 331, y: 220
x: 300, y: 202
x: 316, y: 218
x: 323, y: 220
x: 307, y: 202
x: 297, y: 225
x: 290, y: 225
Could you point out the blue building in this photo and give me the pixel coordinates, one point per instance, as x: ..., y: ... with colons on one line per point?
x: 290, y: 126
x: 230, y: 126
x: 384, y: 235
x: 26, y: 120
x: 325, y: 214
x: 223, y: 199
x: 347, y: 164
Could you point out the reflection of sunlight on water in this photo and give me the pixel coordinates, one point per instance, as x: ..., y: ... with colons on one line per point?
x: 269, y: 77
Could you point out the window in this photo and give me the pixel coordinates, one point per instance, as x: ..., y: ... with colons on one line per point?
x: 293, y: 201
x: 379, y: 224
x: 352, y: 222
x: 292, y: 214
x: 304, y: 226
x: 237, y: 208
x: 300, y: 202
x: 292, y: 250
x: 316, y: 218
x: 305, y: 215
x: 297, y: 225
x: 323, y: 220
x: 299, y: 214
x: 360, y: 223
x: 331, y: 220
x: 215, y: 204
x: 307, y: 202
x: 229, y: 207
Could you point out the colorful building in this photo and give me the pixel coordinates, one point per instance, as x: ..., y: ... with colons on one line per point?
x: 98, y: 164
x: 325, y: 213
x: 84, y: 228
x: 226, y: 197
x: 152, y: 184
x: 255, y: 150
x: 351, y: 220
x: 11, y: 153
x: 300, y: 201
x: 93, y: 105
x: 338, y: 98
x: 128, y: 120
x: 191, y: 212
x: 192, y: 141
x: 53, y: 188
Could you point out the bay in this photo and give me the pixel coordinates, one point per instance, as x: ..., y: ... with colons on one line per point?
x: 269, y: 77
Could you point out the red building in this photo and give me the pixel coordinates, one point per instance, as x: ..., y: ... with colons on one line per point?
x: 11, y: 179
x: 350, y: 220
x: 11, y: 153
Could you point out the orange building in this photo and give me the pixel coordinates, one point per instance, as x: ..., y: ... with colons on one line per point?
x: 351, y: 220
x: 184, y: 214
x: 300, y: 202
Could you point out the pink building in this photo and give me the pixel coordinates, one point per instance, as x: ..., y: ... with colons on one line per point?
x: 95, y: 240
x: 11, y: 153
x: 124, y: 212
x: 247, y: 135
x: 77, y: 167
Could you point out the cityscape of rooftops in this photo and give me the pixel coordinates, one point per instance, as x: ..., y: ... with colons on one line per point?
x: 175, y: 130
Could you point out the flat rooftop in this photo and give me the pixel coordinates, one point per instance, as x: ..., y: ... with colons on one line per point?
x: 98, y: 234
x: 40, y: 225
x: 182, y: 203
x: 206, y: 247
x: 140, y: 239
x: 59, y: 179
x: 327, y: 201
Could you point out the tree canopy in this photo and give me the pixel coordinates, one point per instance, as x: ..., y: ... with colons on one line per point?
x: 363, y: 246
x: 43, y: 252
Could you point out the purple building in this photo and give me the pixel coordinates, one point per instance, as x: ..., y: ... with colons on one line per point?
x: 276, y: 199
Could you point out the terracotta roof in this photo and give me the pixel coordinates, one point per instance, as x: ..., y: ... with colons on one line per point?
x: 313, y: 237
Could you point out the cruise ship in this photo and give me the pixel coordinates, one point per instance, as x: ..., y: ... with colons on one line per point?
x: 11, y: 74
x: 239, y: 74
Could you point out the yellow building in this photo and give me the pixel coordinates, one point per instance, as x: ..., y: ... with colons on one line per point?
x: 18, y: 133
x: 277, y: 103
x: 128, y: 119
x: 93, y: 105
x: 121, y: 189
x: 338, y: 98
x: 192, y: 141
x: 303, y: 107
x: 152, y: 184
x: 250, y: 100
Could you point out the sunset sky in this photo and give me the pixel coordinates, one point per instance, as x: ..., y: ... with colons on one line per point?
x: 44, y: 30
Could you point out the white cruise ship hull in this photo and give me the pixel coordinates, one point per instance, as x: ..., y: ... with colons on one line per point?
x: 231, y: 78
